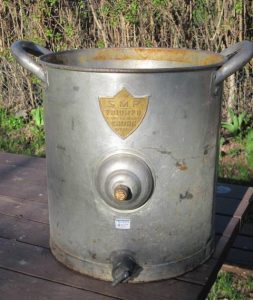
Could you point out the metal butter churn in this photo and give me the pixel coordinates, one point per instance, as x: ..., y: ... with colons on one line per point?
x: 132, y: 138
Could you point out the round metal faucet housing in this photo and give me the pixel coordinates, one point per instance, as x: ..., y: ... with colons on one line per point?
x: 132, y: 138
x: 124, y: 181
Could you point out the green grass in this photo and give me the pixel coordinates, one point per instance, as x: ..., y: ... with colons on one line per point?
x: 236, y: 148
x: 22, y: 135
x: 236, y: 172
x: 231, y: 287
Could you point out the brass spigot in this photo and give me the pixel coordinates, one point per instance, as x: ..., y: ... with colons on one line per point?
x: 122, y: 193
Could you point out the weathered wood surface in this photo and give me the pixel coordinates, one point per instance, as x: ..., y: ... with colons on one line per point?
x: 29, y: 271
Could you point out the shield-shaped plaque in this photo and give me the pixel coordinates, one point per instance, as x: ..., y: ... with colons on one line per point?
x: 123, y: 112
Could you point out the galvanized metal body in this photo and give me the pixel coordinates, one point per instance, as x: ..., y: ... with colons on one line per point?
x: 173, y: 231
x: 169, y: 162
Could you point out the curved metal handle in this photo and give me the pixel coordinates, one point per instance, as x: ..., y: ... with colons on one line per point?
x: 22, y: 49
x: 237, y: 56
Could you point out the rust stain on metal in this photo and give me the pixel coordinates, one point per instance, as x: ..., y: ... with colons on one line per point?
x: 182, y: 165
x: 123, y: 112
x: 159, y: 54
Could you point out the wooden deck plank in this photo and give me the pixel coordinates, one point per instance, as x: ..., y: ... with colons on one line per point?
x: 226, y: 206
x: 12, y: 159
x: 247, y: 229
x: 232, y: 228
x: 233, y: 191
x: 243, y: 242
x: 23, y: 176
x: 244, y: 204
x: 30, y: 210
x: 237, y: 270
x: 206, y: 273
x: 23, y: 182
x: 15, y: 286
x: 220, y: 223
x: 25, y: 231
x: 201, y: 274
x: 240, y: 257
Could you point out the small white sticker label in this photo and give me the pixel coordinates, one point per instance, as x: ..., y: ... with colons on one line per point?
x: 122, y: 223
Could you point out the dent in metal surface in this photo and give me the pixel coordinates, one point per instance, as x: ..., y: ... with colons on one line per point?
x: 186, y: 195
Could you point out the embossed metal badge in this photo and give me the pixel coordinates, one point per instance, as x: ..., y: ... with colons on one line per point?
x: 123, y: 112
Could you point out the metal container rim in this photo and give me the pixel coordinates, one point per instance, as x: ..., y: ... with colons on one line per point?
x: 206, y: 59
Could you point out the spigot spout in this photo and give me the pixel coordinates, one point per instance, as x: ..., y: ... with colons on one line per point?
x: 124, y: 267
x: 121, y: 276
